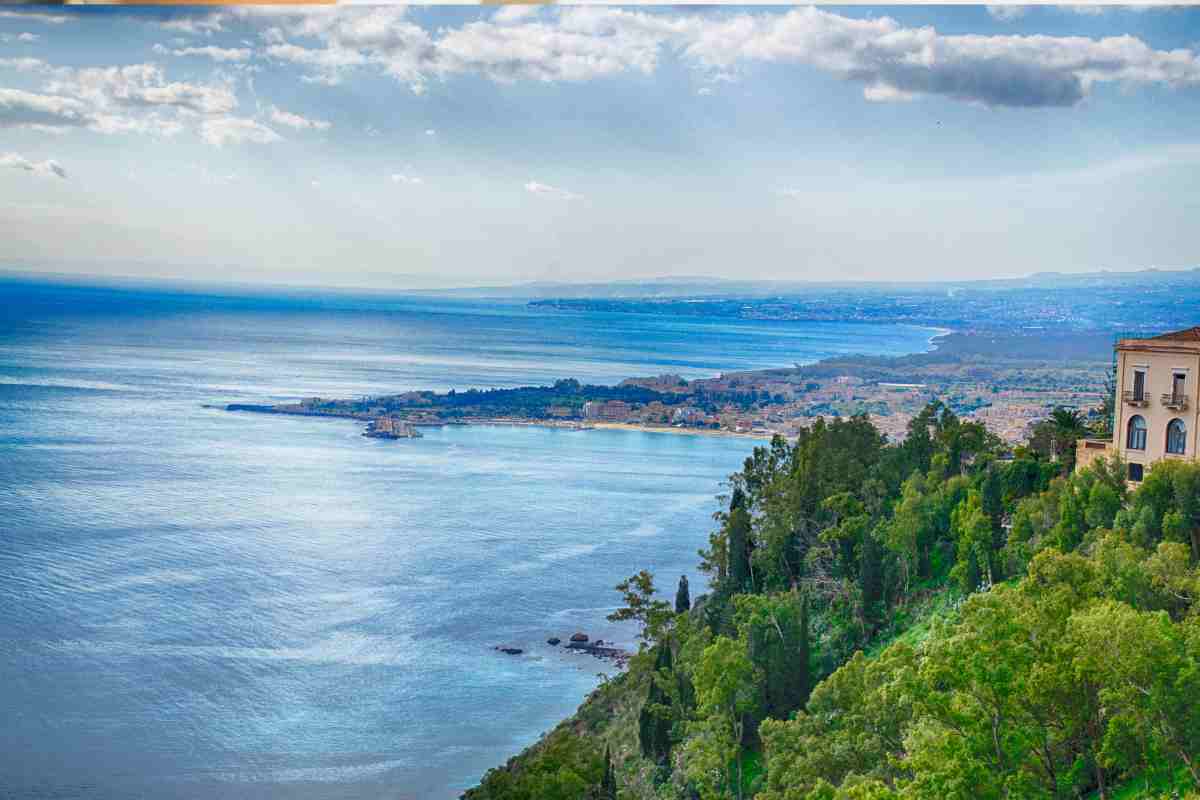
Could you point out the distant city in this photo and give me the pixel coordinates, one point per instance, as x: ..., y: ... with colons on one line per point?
x: 1011, y: 351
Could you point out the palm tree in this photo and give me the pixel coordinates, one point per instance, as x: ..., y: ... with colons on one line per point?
x: 1068, y: 425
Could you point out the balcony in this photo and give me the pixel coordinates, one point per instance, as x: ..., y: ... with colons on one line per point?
x: 1138, y: 399
x: 1176, y: 402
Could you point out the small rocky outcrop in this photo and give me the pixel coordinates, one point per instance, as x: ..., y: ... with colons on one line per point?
x: 512, y: 651
x: 579, y: 638
x: 553, y: 641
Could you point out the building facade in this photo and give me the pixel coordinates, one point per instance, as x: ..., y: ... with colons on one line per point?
x: 1156, y: 403
x: 607, y: 410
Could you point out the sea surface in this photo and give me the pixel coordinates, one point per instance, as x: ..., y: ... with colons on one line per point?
x: 203, y: 604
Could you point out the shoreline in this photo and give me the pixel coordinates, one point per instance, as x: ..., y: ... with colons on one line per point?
x: 632, y: 426
x: 933, y: 342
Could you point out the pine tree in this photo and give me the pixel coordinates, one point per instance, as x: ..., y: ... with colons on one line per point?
x: 683, y: 599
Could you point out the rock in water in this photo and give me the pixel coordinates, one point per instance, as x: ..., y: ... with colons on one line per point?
x: 553, y: 640
x: 579, y: 637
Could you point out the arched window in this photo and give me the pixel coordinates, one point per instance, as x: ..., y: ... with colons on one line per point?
x: 1176, y: 437
x: 1136, y: 438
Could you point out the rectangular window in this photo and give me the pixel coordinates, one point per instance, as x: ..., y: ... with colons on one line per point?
x: 1139, y: 385
x: 1135, y: 472
x: 1178, y: 386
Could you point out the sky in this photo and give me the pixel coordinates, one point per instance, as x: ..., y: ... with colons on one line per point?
x: 421, y: 147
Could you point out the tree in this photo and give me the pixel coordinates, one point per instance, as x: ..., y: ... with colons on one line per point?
x: 1150, y: 677
x: 608, y: 786
x: 683, y: 599
x: 973, y: 530
x: 738, y: 535
x: 991, y: 490
x: 1186, y: 484
x: 909, y: 532
x: 1067, y: 425
x: 655, y: 718
x: 1103, y: 503
x: 774, y: 629
x: 870, y: 580
x: 728, y: 695
x: 853, y: 727
x: 652, y: 615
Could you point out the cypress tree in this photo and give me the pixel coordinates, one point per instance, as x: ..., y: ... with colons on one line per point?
x: 803, y: 657
x: 870, y: 576
x: 738, y: 528
x: 608, y: 788
x: 654, y: 721
x: 992, y: 490
x: 683, y: 599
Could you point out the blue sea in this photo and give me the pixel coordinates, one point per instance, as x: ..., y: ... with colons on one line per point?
x: 203, y: 604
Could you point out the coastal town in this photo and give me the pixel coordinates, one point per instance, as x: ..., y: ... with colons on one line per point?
x: 1006, y: 385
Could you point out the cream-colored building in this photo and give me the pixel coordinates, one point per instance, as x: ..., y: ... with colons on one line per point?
x: 1156, y: 403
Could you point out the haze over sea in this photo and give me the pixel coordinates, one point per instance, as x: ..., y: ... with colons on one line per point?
x: 203, y: 604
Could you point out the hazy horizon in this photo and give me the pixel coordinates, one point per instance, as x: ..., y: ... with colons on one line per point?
x: 133, y: 281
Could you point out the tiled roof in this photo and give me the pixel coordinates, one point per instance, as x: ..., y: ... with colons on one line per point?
x: 1186, y: 335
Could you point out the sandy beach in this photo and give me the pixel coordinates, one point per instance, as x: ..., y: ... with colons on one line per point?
x: 629, y: 426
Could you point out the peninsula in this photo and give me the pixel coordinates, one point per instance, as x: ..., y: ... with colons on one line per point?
x: 1005, y: 381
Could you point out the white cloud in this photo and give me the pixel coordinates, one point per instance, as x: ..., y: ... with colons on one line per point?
x: 349, y: 38
x: 19, y: 37
x: 236, y: 130
x: 882, y: 93
x: 545, y: 189
x: 281, y: 117
x: 222, y: 54
x: 409, y: 180
x: 20, y: 109
x: 1007, y: 13
x: 206, y: 23
x: 24, y: 64
x: 49, y: 167
x: 564, y: 50
x: 1018, y: 71
x: 328, y: 60
x: 1090, y: 10
x: 892, y: 62
x: 143, y: 86
x: 514, y: 13
x: 137, y: 98
x: 430, y: 132
x: 36, y: 16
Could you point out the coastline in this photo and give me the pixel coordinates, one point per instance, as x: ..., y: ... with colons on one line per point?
x: 632, y: 426
x: 934, y: 343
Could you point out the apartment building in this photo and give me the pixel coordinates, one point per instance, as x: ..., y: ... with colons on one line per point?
x: 608, y: 410
x: 1156, y: 403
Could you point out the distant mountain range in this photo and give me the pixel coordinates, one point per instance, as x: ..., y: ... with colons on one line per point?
x: 704, y: 287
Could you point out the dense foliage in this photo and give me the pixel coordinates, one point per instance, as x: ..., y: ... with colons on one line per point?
x: 1064, y: 659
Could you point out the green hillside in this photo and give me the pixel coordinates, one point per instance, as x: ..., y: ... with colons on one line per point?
x: 935, y: 619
